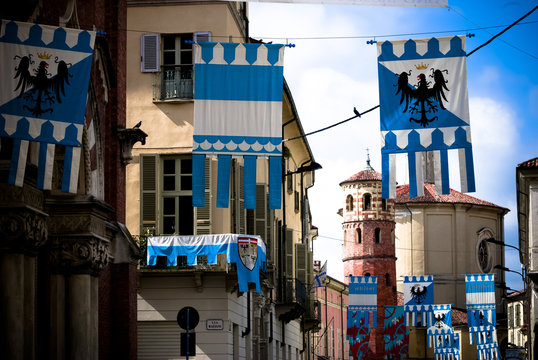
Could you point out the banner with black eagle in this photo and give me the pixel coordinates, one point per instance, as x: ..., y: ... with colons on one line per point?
x: 362, y: 304
x: 424, y: 107
x: 45, y: 76
x: 418, y: 300
x: 440, y: 333
x: 481, y: 314
x: 238, y: 113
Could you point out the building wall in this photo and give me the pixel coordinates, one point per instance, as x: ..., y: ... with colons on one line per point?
x: 443, y: 239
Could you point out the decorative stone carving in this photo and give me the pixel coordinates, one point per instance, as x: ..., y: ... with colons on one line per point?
x: 86, y: 255
x: 23, y: 231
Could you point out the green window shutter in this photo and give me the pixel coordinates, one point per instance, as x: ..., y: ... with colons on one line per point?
x: 149, y: 56
x: 202, y: 216
x: 148, y: 188
x: 260, y: 211
x: 301, y: 258
x: 289, y: 254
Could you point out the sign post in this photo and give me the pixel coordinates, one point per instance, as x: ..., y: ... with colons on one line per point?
x: 188, y: 318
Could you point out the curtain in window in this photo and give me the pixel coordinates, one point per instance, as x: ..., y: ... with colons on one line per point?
x: 424, y: 107
x: 481, y: 315
x: 45, y: 75
x: 418, y: 299
x: 238, y: 112
x: 248, y: 253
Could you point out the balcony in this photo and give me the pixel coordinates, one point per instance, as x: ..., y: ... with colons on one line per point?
x: 293, y: 301
x: 312, y: 316
x: 173, y: 83
x: 161, y: 266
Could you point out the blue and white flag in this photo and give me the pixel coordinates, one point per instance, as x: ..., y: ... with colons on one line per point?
x: 45, y: 76
x: 363, y: 299
x: 247, y: 252
x: 447, y: 347
x: 424, y: 107
x: 321, y: 278
x: 440, y: 332
x: 481, y: 313
x: 418, y: 299
x: 238, y: 112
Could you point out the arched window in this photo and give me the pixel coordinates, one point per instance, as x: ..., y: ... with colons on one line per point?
x: 349, y: 203
x: 367, y: 202
x: 384, y: 204
x: 377, y: 235
x: 387, y: 279
x: 359, y: 236
x: 367, y: 274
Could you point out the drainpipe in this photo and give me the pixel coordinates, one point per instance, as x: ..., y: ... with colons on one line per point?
x: 247, y: 330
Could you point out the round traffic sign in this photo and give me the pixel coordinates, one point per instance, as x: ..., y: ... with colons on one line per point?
x: 188, y: 318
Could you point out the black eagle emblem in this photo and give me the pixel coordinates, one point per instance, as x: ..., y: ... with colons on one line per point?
x: 418, y: 293
x: 47, y: 89
x: 423, y: 97
x: 439, y: 319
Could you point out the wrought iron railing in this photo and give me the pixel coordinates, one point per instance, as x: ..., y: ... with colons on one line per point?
x: 173, y: 83
x: 294, y: 291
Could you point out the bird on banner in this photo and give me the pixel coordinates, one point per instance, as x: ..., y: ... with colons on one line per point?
x: 42, y: 83
x: 423, y: 95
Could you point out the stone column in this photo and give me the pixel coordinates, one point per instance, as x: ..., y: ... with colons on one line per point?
x: 22, y: 233
x: 78, y: 231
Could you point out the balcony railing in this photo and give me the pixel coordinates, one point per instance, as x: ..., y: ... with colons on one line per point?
x: 294, y: 291
x: 201, y: 260
x: 173, y: 83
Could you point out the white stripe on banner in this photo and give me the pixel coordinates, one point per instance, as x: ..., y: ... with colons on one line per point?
x: 392, y: 176
x: 18, y: 162
x: 419, y: 172
x: 241, y: 114
x: 399, y: 3
x: 437, y: 171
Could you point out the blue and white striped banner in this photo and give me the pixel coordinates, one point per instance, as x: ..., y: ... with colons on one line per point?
x: 45, y: 76
x: 424, y: 107
x: 247, y: 252
x: 363, y: 298
x: 441, y: 326
x: 418, y: 299
x: 481, y: 313
x: 238, y: 112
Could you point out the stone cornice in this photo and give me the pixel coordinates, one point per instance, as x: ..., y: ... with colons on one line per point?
x: 370, y: 257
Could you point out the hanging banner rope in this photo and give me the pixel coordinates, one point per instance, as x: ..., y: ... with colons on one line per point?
x: 46, y: 72
x: 238, y: 112
x: 424, y: 107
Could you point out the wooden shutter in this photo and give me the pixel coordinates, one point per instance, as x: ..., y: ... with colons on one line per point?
x: 202, y: 215
x: 149, y: 56
x: 237, y: 202
x: 301, y: 258
x: 148, y: 189
x: 260, y: 212
x: 289, y: 254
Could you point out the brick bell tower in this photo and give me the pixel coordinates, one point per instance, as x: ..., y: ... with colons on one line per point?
x: 368, y: 224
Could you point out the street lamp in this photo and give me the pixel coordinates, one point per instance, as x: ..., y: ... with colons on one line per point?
x: 504, y: 268
x: 498, y: 242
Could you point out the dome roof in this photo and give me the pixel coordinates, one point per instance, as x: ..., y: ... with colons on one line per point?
x: 368, y: 174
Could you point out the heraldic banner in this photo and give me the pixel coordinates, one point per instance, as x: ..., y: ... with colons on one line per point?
x: 418, y: 299
x: 395, y: 333
x: 481, y: 314
x: 424, y: 107
x: 247, y: 252
x: 441, y: 331
x: 238, y: 112
x: 45, y: 76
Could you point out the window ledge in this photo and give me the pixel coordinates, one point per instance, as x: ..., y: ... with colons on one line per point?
x: 185, y: 100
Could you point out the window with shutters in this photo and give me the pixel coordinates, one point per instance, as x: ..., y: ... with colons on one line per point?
x: 301, y: 258
x: 166, y: 197
x: 173, y: 77
x: 237, y: 203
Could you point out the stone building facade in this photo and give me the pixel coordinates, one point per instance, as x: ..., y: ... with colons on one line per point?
x: 67, y: 262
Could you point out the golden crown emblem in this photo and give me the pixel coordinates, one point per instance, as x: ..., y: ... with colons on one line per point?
x: 44, y: 55
x: 421, y: 66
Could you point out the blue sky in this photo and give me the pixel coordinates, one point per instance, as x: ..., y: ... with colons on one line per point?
x: 332, y: 69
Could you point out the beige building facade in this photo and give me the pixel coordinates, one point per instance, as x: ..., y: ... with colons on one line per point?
x: 233, y: 325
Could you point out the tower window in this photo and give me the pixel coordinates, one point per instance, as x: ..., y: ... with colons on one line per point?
x: 377, y: 235
x: 349, y: 203
x: 387, y: 279
x: 367, y: 202
x: 359, y: 236
x: 367, y: 274
x: 384, y: 204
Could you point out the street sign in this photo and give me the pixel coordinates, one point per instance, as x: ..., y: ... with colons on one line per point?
x: 188, y: 318
x: 188, y: 345
x: 214, y: 324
